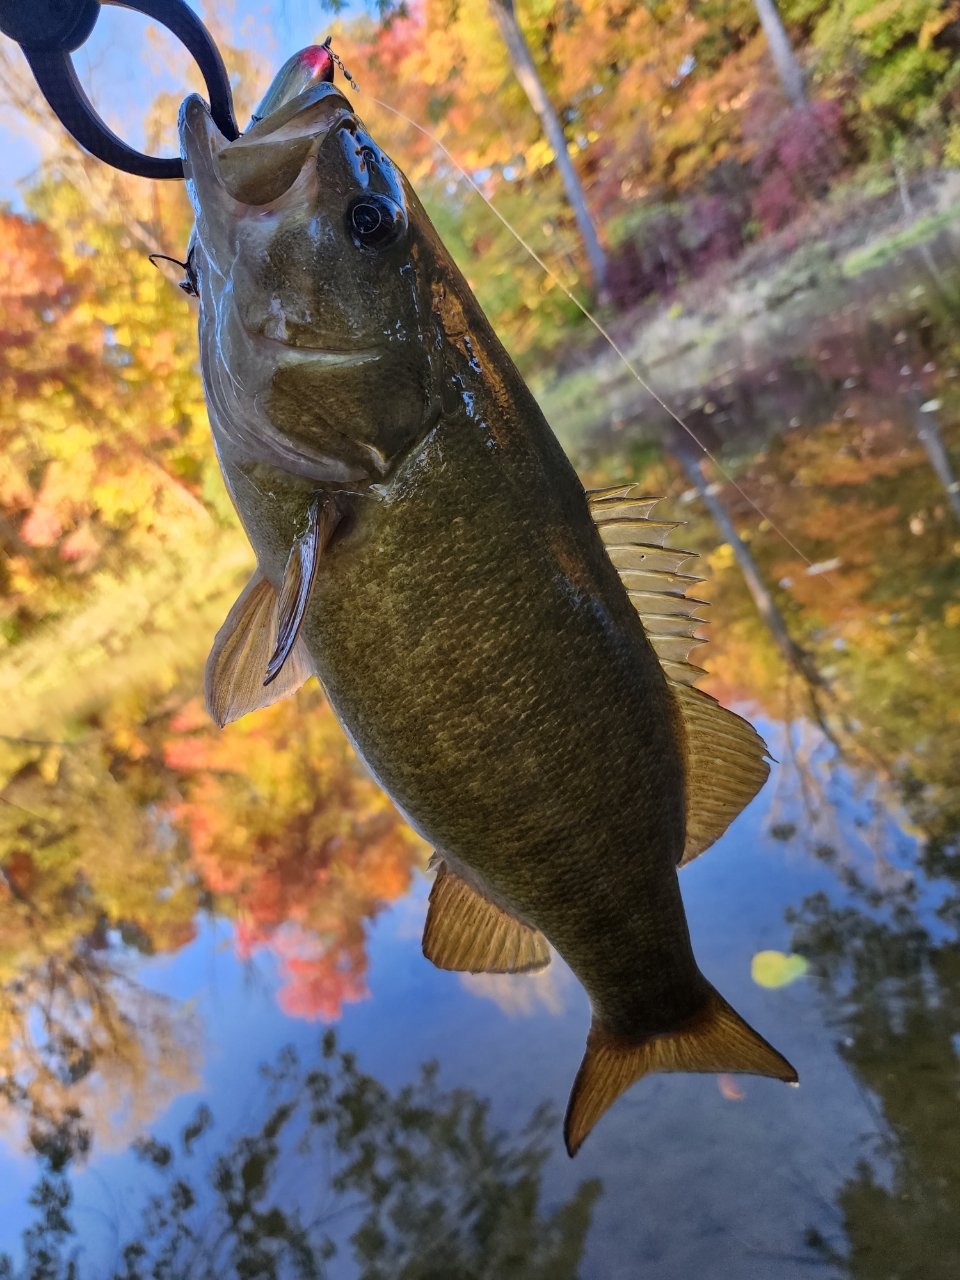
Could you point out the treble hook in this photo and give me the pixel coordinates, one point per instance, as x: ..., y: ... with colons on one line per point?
x: 48, y: 31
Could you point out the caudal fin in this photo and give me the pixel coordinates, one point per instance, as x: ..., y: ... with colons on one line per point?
x: 716, y: 1039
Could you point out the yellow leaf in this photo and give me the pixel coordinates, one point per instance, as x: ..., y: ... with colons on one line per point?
x: 722, y: 557
x: 774, y: 969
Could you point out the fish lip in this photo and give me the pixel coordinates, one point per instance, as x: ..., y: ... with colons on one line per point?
x: 318, y: 355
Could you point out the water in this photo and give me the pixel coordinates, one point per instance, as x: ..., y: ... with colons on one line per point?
x: 215, y: 1012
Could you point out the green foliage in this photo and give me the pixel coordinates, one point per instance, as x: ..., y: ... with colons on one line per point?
x: 428, y: 1188
x: 895, y: 58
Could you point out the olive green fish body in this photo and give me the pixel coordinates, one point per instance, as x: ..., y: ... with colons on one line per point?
x: 481, y: 652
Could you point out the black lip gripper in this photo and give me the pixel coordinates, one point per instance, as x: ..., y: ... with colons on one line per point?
x: 48, y: 31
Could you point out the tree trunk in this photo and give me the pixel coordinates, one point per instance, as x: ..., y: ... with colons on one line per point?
x: 784, y: 59
x: 526, y: 72
x: 932, y: 440
x: 797, y: 658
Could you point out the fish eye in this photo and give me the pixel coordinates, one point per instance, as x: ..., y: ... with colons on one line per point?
x: 375, y: 221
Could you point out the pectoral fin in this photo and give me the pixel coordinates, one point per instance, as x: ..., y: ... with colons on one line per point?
x: 298, y: 578
x: 716, y: 1040
x: 234, y: 676
x: 468, y: 933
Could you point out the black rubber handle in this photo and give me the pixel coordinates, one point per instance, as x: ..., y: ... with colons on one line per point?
x: 48, y: 31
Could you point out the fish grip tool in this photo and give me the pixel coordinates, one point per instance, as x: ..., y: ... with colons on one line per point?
x: 48, y: 31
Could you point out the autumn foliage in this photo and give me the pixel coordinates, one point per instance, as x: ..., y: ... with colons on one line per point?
x: 103, y: 438
x: 293, y: 840
x: 124, y: 821
x: 673, y: 111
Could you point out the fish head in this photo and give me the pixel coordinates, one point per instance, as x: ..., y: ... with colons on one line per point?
x: 315, y: 265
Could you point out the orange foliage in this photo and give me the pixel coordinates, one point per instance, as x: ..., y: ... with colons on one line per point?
x: 282, y: 821
x: 642, y: 111
x: 103, y: 435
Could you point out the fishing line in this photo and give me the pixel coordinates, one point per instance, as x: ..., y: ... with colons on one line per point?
x: 596, y: 324
x: 612, y: 343
x: 608, y: 337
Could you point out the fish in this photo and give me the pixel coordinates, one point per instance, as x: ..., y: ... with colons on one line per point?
x: 507, y: 652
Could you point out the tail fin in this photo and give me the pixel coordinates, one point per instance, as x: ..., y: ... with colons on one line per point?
x: 716, y: 1039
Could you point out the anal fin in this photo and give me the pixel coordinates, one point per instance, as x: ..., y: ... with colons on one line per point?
x: 716, y: 1039
x: 468, y: 933
x: 237, y: 665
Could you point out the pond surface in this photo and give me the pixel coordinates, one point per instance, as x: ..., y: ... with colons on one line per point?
x: 223, y: 1053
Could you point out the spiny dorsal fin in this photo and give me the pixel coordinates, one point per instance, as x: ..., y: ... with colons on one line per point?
x: 619, y: 492
x: 725, y: 755
x: 237, y: 665
x: 649, y: 571
x: 716, y: 1039
x: 726, y: 767
x: 322, y: 518
x: 466, y: 932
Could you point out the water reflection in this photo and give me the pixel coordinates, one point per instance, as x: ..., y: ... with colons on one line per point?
x: 78, y: 1035
x: 869, y: 496
x: 414, y: 1183
x: 126, y: 825
x: 893, y: 991
x: 886, y: 958
x: 110, y: 845
x: 292, y: 840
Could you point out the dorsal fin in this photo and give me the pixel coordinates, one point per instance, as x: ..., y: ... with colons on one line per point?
x: 649, y: 571
x: 468, y: 933
x: 726, y: 767
x: 237, y: 665
x: 725, y: 756
x: 322, y: 518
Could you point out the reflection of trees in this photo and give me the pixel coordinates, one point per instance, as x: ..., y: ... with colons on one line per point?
x: 111, y: 843
x: 841, y: 812
x: 893, y: 987
x: 885, y: 948
x: 883, y: 620
x: 119, y: 837
x: 295, y: 842
x: 79, y: 1039
x: 422, y: 1185
x: 83, y: 853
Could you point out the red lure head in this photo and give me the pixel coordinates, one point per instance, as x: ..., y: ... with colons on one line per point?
x: 309, y: 67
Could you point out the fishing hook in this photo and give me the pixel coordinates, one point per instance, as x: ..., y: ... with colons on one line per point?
x: 48, y: 31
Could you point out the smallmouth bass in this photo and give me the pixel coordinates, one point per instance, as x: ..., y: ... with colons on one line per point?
x: 506, y: 652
